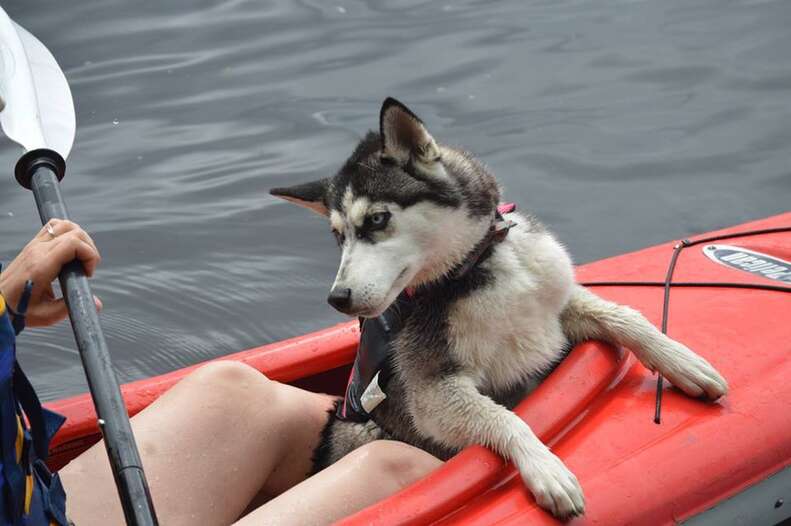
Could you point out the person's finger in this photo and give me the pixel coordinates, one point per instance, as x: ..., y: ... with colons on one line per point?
x: 82, y: 234
x: 47, y: 313
x: 46, y: 293
x: 65, y: 249
x: 50, y: 310
x: 88, y: 255
x: 62, y: 227
x: 47, y: 231
x: 54, y: 228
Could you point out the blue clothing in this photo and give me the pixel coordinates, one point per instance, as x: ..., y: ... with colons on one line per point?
x: 29, y: 494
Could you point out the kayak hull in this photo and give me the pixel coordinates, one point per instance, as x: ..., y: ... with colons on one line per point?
x: 596, y: 409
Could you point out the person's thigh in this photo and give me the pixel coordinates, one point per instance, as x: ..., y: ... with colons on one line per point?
x: 208, y: 446
x: 361, y: 478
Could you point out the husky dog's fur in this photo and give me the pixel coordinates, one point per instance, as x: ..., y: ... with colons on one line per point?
x: 408, y: 212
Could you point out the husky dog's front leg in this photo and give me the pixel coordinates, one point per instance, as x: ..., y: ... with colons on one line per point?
x: 454, y: 413
x: 587, y: 316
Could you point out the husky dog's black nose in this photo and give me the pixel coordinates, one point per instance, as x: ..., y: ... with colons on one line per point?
x: 340, y: 298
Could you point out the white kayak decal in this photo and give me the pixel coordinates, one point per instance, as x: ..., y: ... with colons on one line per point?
x: 750, y: 261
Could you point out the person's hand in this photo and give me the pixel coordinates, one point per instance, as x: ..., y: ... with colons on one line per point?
x: 58, y: 243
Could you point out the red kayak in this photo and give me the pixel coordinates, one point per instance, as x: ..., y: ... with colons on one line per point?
x: 727, y: 299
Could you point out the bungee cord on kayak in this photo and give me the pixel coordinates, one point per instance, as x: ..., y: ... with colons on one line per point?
x: 668, y: 284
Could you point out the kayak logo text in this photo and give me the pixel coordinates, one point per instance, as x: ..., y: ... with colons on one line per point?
x: 750, y: 261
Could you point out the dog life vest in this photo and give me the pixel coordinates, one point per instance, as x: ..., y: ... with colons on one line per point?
x: 30, y: 494
x: 372, y: 369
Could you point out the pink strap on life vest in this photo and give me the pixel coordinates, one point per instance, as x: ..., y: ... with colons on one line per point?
x: 506, y: 208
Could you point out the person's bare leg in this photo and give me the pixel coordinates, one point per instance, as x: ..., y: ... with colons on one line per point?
x: 359, y: 479
x: 208, y: 446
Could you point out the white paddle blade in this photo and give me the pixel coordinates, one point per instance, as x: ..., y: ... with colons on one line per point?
x: 38, y: 109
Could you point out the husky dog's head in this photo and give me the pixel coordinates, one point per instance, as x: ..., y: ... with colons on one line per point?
x: 405, y: 210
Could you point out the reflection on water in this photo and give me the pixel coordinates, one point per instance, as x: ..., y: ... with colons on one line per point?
x: 620, y: 123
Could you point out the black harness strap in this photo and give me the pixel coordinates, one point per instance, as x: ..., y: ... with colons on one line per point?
x: 496, y: 234
x: 372, y: 368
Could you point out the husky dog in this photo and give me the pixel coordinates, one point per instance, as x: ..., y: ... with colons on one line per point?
x: 486, y: 320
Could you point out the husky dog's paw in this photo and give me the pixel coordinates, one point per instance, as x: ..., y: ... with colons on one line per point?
x: 688, y: 371
x: 554, y: 487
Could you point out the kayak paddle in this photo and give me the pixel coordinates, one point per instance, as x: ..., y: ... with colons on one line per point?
x: 37, y: 111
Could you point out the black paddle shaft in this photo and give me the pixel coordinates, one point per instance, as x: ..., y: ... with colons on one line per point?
x: 42, y: 173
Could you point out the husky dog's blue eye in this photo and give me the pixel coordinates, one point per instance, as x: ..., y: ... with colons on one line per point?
x: 379, y: 219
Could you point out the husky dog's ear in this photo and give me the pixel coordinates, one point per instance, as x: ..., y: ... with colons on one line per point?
x: 310, y: 195
x: 404, y: 135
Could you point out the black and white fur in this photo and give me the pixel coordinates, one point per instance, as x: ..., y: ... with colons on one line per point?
x: 407, y: 211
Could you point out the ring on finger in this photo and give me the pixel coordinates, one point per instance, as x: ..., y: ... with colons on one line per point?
x: 50, y: 230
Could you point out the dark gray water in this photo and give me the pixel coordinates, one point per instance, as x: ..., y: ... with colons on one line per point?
x: 620, y: 123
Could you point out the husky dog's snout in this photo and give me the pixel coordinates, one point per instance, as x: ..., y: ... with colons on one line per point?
x: 341, y: 299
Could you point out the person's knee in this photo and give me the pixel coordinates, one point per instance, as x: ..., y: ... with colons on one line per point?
x: 228, y: 371
x: 232, y: 379
x: 396, y: 463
